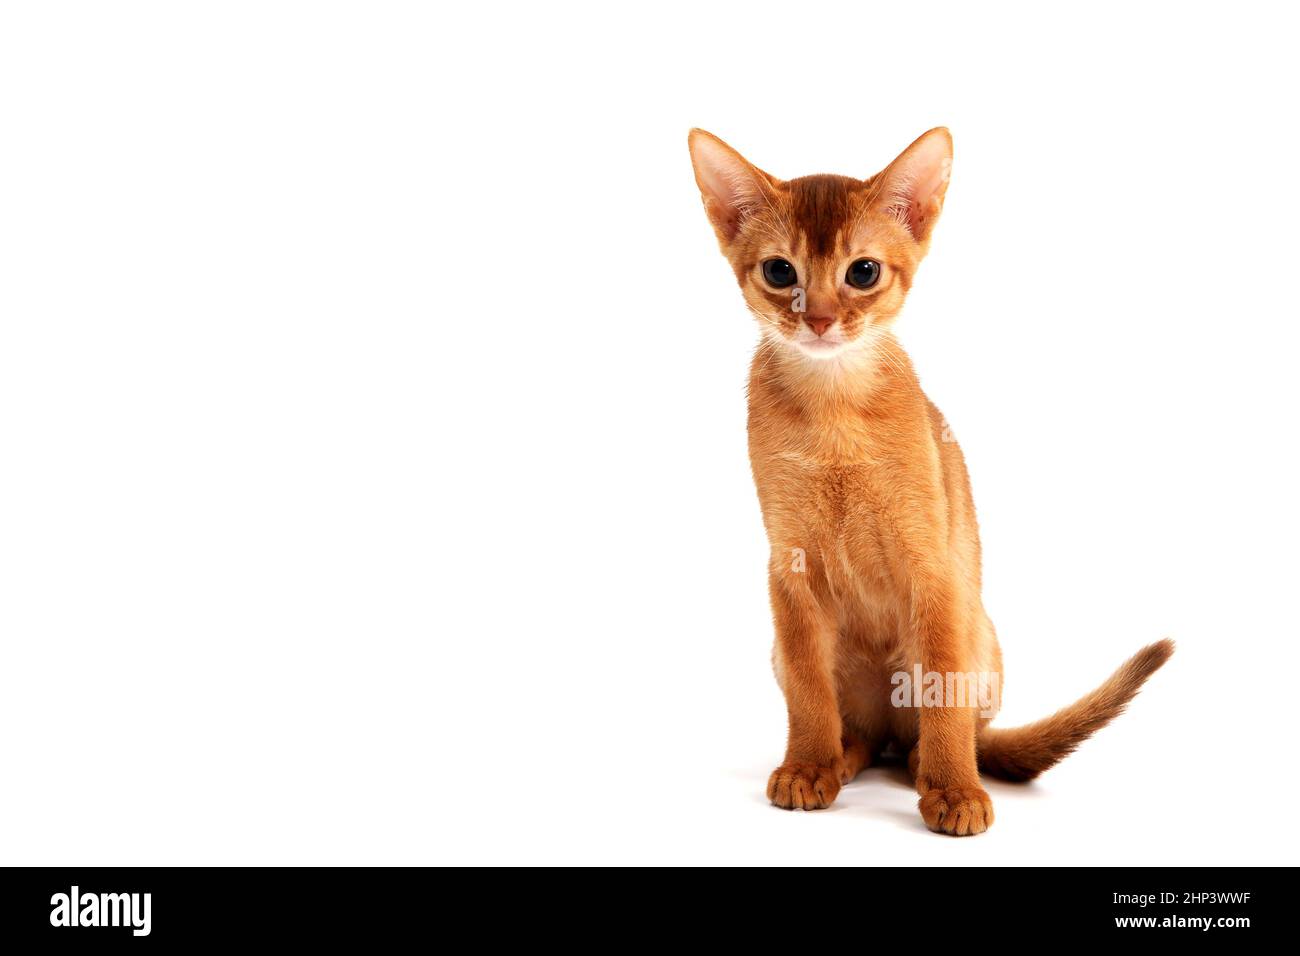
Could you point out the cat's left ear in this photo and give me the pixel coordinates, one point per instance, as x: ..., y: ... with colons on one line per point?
x: 913, y: 186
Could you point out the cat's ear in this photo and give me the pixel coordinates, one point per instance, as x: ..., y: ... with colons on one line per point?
x: 912, y: 186
x: 732, y: 188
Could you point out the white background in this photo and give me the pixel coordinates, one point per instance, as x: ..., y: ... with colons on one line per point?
x: 374, y: 483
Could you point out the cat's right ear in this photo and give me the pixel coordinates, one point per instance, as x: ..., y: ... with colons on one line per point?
x: 732, y: 188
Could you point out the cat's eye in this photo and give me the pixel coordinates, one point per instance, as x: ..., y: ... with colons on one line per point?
x: 863, y: 274
x: 779, y: 273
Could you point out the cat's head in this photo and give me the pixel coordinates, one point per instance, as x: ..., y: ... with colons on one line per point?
x: 824, y: 262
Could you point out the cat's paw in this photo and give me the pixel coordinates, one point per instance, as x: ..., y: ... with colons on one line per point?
x: 857, y: 757
x: 956, y: 811
x: 803, y: 786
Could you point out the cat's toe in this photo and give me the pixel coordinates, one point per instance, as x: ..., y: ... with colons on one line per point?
x: 801, y: 786
x: 957, y: 811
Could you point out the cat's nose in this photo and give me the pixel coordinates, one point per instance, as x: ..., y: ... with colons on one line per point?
x: 819, y: 323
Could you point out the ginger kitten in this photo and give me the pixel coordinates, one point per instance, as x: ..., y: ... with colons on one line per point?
x: 875, y: 563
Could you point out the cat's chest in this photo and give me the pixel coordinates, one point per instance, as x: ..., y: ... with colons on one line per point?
x: 824, y: 485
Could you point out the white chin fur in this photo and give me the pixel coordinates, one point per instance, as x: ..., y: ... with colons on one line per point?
x: 821, y: 349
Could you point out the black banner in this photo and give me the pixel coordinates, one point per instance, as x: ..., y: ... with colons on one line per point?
x: 207, y: 905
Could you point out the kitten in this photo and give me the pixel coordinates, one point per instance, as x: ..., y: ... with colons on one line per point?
x: 875, y: 562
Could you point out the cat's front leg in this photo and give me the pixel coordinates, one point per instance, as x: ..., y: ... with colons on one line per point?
x: 947, y: 777
x: 810, y: 776
x: 952, y: 800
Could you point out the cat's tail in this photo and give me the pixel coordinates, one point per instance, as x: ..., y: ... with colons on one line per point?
x: 1022, y: 753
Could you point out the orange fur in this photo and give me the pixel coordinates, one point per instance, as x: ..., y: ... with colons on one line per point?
x: 875, y: 556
